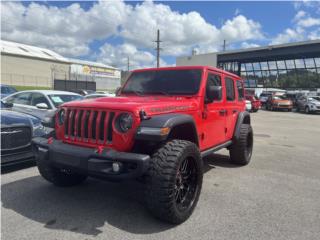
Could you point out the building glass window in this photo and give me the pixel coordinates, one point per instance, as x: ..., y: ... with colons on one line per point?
x: 264, y: 66
x: 299, y: 63
x: 249, y: 67
x: 309, y: 62
x: 281, y: 65
x: 272, y: 65
x: 290, y: 64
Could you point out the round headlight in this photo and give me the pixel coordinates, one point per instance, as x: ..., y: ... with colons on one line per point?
x: 124, y: 122
x: 61, y: 116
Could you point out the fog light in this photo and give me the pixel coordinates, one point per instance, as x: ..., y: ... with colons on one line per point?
x: 116, y: 167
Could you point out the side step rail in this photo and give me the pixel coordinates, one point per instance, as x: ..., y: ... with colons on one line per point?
x: 216, y: 148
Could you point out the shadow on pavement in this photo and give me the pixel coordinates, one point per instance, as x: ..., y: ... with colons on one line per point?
x: 218, y: 160
x: 82, y: 209
x: 88, y: 207
x: 18, y: 166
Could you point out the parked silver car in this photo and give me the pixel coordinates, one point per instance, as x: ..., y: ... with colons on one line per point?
x: 40, y: 103
x: 309, y: 104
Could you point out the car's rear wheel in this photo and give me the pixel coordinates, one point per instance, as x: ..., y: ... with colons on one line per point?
x: 59, y: 177
x: 241, y: 150
x: 174, y: 181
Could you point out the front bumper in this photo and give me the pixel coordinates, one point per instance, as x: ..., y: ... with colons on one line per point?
x: 90, y: 161
x: 9, y: 158
x: 282, y: 106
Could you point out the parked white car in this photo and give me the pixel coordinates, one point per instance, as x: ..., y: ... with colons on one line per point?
x: 308, y: 104
x: 99, y: 95
x: 248, y: 106
x: 40, y: 103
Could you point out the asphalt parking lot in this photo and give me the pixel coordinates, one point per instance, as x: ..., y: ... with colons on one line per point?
x: 277, y: 196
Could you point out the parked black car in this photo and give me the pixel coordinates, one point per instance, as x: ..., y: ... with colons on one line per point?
x: 17, y: 130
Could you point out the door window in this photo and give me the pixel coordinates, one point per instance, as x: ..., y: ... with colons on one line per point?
x: 20, y: 98
x: 240, y: 90
x: 214, y: 80
x: 39, y: 98
x: 230, y: 89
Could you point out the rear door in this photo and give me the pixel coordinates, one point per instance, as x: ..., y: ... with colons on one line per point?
x: 214, y: 115
x: 233, y: 105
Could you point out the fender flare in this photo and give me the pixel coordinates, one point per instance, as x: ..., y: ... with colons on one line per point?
x: 243, y: 117
x: 150, y: 129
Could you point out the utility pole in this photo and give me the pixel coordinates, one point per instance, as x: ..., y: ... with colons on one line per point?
x: 128, y: 64
x: 224, y: 45
x: 158, y: 48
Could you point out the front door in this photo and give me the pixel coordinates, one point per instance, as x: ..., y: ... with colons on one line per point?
x: 214, y: 115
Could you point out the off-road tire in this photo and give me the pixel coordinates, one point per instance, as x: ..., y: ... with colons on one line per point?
x: 241, y: 150
x: 59, y: 177
x: 162, y: 178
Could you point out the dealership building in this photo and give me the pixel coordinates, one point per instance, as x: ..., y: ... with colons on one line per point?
x: 288, y: 66
x: 25, y: 65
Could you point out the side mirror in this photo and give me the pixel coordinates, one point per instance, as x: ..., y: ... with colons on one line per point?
x: 213, y: 93
x: 42, y: 106
x: 7, y: 105
x: 117, y: 91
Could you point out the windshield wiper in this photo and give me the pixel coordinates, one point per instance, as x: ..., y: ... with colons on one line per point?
x: 137, y: 92
x: 157, y: 92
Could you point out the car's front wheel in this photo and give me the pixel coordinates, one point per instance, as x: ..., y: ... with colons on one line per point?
x: 174, y: 181
x: 307, y: 110
x: 59, y: 177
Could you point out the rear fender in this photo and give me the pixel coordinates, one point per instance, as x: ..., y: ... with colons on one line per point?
x: 243, y: 118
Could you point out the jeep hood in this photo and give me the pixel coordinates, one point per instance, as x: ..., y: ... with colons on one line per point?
x: 151, y: 105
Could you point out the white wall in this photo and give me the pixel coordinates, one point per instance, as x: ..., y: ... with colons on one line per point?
x: 198, y: 60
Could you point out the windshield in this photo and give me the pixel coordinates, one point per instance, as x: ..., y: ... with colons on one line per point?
x: 314, y: 99
x: 280, y: 97
x: 7, y: 90
x: 181, y: 82
x: 58, y: 99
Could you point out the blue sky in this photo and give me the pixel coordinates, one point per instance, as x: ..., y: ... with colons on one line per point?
x: 110, y: 32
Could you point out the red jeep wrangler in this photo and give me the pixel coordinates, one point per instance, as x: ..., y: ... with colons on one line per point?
x: 161, y: 125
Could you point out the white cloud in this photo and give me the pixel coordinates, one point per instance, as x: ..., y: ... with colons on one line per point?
x: 300, y: 14
x: 180, y: 32
x: 240, y: 28
x: 118, y: 56
x: 314, y: 35
x: 249, y: 45
x: 70, y: 30
x: 309, y: 22
x: 66, y: 30
x: 289, y: 35
x: 304, y: 26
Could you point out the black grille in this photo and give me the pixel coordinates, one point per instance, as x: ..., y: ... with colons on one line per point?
x: 88, y: 125
x: 15, y: 137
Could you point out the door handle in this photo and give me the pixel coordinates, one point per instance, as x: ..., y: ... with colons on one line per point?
x: 234, y: 111
x: 222, y: 111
